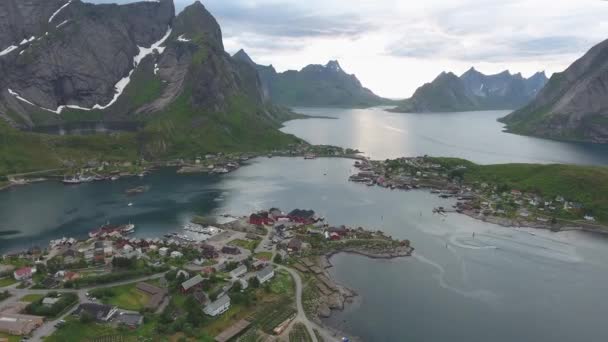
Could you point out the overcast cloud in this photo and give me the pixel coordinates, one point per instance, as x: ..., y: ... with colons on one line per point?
x: 395, y: 46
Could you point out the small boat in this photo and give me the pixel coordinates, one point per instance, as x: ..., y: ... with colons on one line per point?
x: 71, y: 181
x: 114, y: 178
x: 130, y: 204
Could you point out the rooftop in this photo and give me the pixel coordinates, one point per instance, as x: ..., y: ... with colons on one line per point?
x: 188, y: 284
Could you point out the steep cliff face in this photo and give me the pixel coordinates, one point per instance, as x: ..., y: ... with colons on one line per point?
x: 136, y: 64
x: 314, y: 85
x: 474, y: 91
x: 573, y: 105
x: 80, y: 56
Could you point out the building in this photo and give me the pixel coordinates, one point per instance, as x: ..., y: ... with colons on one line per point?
x: 244, y: 283
x: 218, y: 307
x: 260, y: 219
x: 131, y: 320
x: 265, y: 274
x: 302, y: 216
x: 232, y: 250
x: 239, y: 271
x: 589, y: 218
x: 163, y: 251
x: 176, y: 254
x: 294, y: 245
x: 99, y: 312
x: 191, y: 284
x: 209, y: 251
x: 17, y: 324
x: 24, y: 273
x: 157, y: 295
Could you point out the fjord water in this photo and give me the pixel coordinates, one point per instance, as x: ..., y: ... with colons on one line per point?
x: 476, y: 136
x: 500, y: 285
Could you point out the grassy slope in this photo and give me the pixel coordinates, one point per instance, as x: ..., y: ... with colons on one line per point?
x: 585, y: 184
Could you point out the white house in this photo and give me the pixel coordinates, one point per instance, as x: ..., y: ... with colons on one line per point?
x: 176, y: 254
x: 218, y: 307
x: 265, y: 274
x: 127, y: 249
x: 163, y: 251
x: 239, y: 271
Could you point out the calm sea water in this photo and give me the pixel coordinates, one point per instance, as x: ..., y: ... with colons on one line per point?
x: 500, y: 285
x: 476, y: 136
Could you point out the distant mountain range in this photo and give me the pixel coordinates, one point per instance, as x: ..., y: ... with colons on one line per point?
x: 573, y: 105
x: 473, y: 91
x: 315, y: 86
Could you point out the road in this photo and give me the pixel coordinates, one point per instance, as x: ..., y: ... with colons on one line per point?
x: 301, y: 317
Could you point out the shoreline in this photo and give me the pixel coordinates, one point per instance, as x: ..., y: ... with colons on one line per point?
x: 343, y: 296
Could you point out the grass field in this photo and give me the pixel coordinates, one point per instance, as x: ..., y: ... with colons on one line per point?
x: 247, y: 244
x: 282, y: 284
x: 263, y: 255
x: 11, y: 338
x: 269, y: 317
x: 31, y: 298
x: 74, y: 330
x: 125, y: 297
x: 299, y: 333
x: 8, y: 281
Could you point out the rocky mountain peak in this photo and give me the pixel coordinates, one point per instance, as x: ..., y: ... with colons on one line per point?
x: 242, y: 56
x: 334, y: 66
x: 196, y: 22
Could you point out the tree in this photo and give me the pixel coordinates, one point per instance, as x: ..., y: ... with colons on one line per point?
x: 86, y: 317
x: 254, y: 282
x: 278, y: 259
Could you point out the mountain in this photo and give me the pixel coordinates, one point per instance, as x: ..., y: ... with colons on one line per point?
x: 70, y: 62
x: 315, y: 86
x: 573, y: 105
x: 474, y: 91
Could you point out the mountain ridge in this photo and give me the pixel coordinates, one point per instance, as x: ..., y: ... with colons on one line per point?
x: 314, y: 85
x: 472, y: 91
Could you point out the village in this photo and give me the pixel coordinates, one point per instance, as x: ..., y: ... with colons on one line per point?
x: 261, y: 276
x: 495, y: 203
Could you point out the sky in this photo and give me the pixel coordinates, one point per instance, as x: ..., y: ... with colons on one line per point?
x: 395, y: 46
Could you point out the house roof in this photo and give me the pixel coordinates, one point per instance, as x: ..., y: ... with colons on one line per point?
x: 131, y: 319
x: 265, y: 272
x: 147, y: 288
x: 218, y: 303
x: 305, y: 214
x: 239, y: 270
x: 188, y: 284
x: 295, y: 243
x: 98, y: 311
x: 23, y: 271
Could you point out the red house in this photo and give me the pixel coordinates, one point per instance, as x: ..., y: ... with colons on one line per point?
x: 302, y: 216
x: 260, y: 219
x: 335, y: 236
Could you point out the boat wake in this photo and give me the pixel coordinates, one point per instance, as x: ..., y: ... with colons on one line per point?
x: 483, y: 295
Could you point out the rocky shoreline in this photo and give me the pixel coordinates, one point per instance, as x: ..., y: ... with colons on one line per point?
x: 334, y: 296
